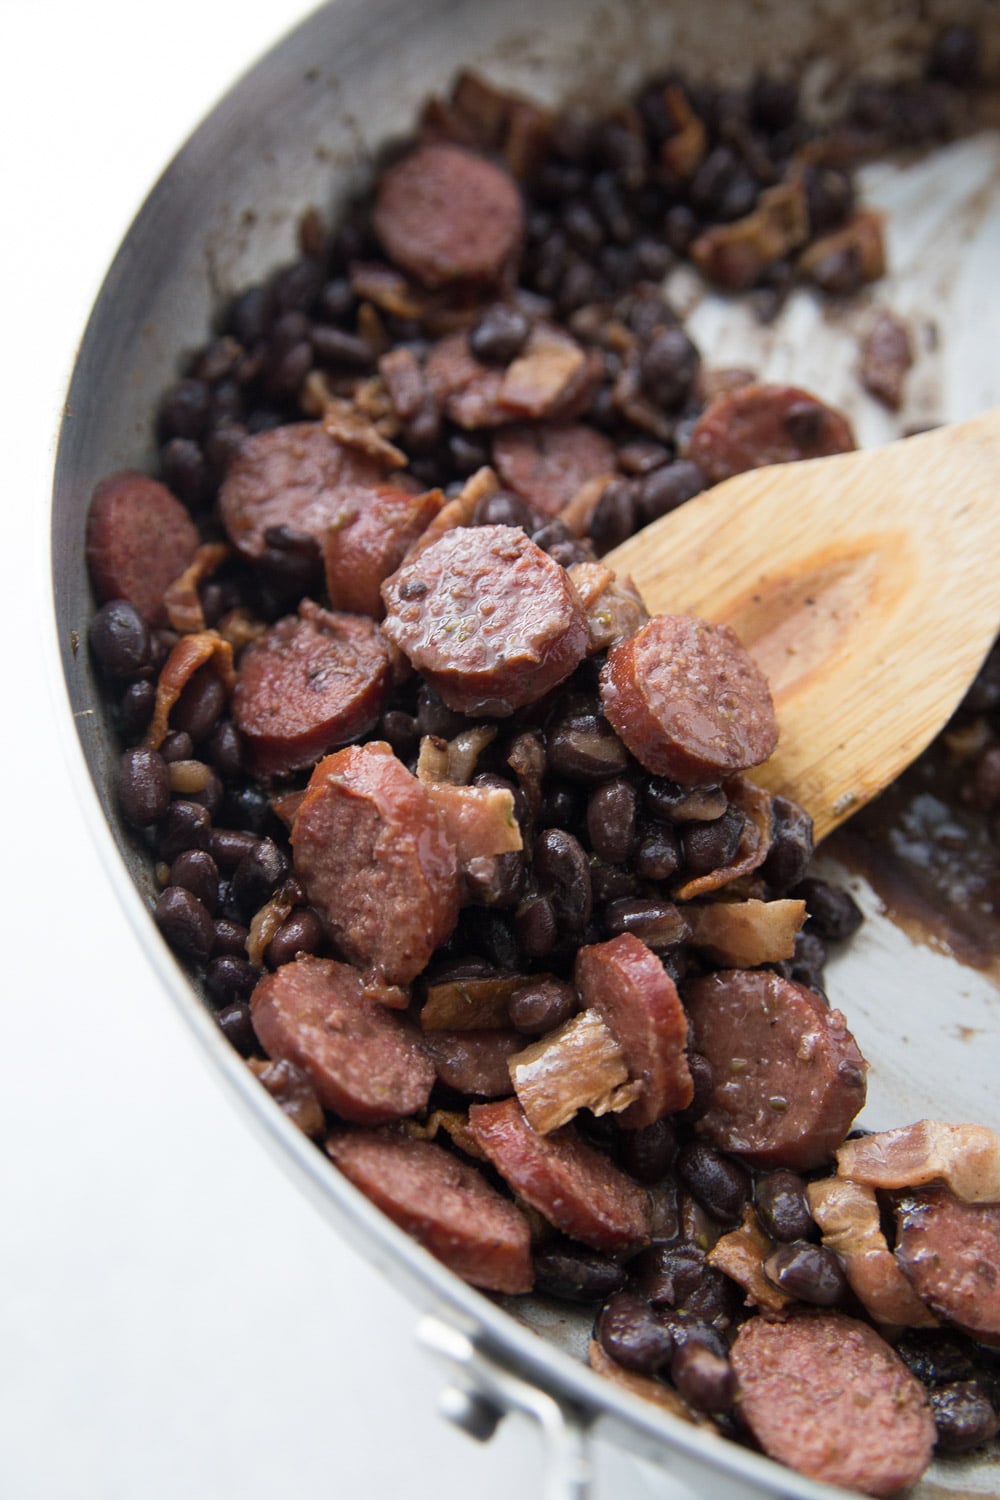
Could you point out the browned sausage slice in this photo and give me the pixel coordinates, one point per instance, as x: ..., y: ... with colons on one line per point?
x: 688, y: 700
x: 443, y: 1202
x: 312, y: 682
x: 627, y: 984
x: 788, y: 1077
x: 474, y: 1062
x: 467, y: 390
x: 950, y: 1251
x: 370, y: 849
x: 139, y: 541
x: 765, y: 424
x: 366, y: 1063
x: 447, y: 214
x: 369, y: 539
x: 826, y: 1395
x: 573, y: 1186
x: 296, y: 476
x: 548, y: 464
x: 490, y: 619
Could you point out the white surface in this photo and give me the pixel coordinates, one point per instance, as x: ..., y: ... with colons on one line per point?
x: 175, y: 1320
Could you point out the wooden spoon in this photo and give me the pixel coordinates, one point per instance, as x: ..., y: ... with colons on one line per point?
x: 866, y: 586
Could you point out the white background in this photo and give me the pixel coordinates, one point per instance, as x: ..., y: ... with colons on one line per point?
x: 175, y: 1320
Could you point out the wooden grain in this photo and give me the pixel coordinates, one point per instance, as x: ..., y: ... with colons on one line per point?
x: 867, y: 587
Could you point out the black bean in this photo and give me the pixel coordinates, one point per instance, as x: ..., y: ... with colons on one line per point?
x: 611, y: 810
x: 682, y: 804
x: 177, y: 745
x: 540, y: 1005
x: 791, y: 846
x: 680, y: 225
x: 629, y: 1332
x: 230, y: 938
x: 247, y: 807
x: 302, y: 932
x: 586, y: 749
x: 334, y: 346
x: 536, y: 927
x: 706, y: 1380
x: 184, y: 412
x: 336, y: 299
x: 720, y: 1184
x: 184, y: 922
x: 493, y: 879
x: 228, y: 846
x: 774, y: 102
x: 963, y: 1415
x: 829, y: 197
x: 562, y: 868
x: 956, y: 56
x: 666, y: 488
x: 297, y: 286
x: 714, y: 1301
x: 711, y: 846
x: 647, y: 1154
x: 186, y: 825
x: 186, y: 471
x: 434, y: 717
x: 499, y: 335
x: 811, y: 1273
x: 198, y: 873
x: 833, y: 913
x: 466, y: 454
x: 236, y: 1025
x: 659, y: 924
x: 668, y: 1274
x: 492, y: 935
x: 575, y: 1274
x: 119, y: 638
x: 937, y: 1356
x: 504, y: 508
x: 135, y: 709
x: 704, y: 1086
x: 658, y: 856
x: 258, y: 875
x: 611, y: 883
x: 615, y: 515
x: 807, y: 962
x: 225, y: 749
x: 201, y: 702
x: 783, y: 1207
x: 143, y: 787
x: 668, y: 366
x: 230, y: 979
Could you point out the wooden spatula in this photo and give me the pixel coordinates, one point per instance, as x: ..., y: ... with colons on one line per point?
x: 866, y: 586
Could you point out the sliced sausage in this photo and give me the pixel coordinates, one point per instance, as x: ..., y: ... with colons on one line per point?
x: 370, y: 849
x: 446, y: 214
x: 314, y: 681
x: 765, y: 424
x: 572, y: 1185
x: 474, y: 1062
x: 826, y: 1395
x: 369, y: 539
x: 446, y: 1205
x: 140, y: 539
x: 490, y: 619
x: 366, y: 1063
x: 788, y: 1077
x: 636, y: 998
x: 548, y: 464
x: 950, y: 1251
x: 297, y: 477
x: 688, y: 700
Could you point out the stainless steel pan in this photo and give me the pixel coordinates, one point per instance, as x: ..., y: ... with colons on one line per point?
x: 301, y: 128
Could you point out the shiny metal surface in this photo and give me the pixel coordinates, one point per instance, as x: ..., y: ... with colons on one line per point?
x: 302, y: 128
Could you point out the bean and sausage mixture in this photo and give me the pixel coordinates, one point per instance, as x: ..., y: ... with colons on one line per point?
x: 458, y: 842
